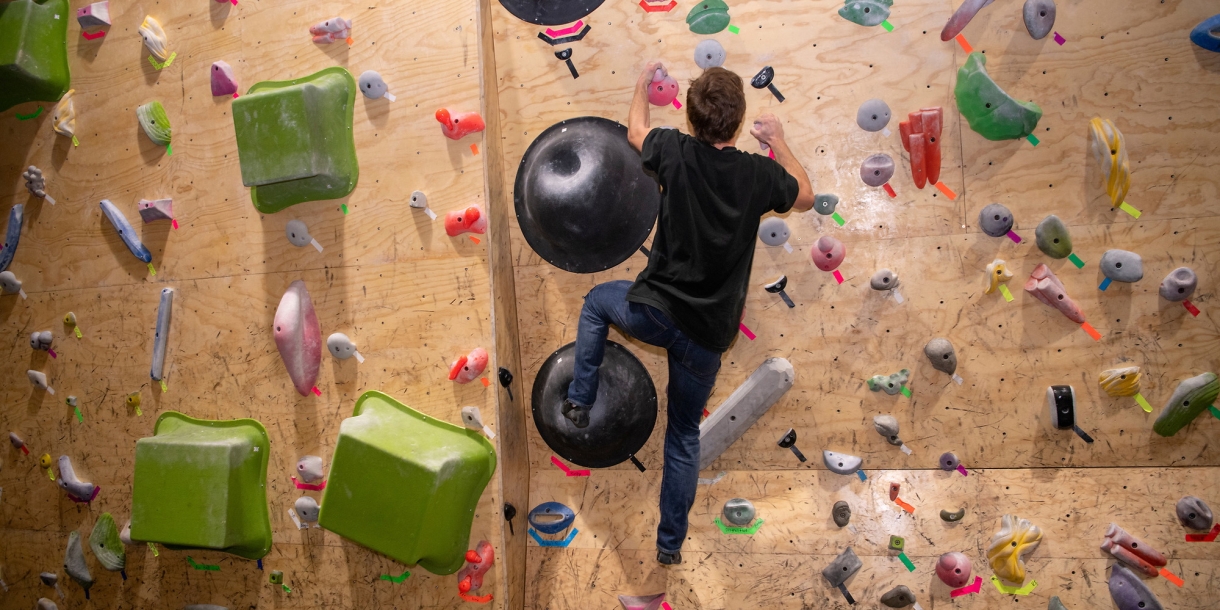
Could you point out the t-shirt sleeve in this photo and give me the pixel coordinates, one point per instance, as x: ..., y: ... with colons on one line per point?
x: 655, y: 144
x: 784, y: 187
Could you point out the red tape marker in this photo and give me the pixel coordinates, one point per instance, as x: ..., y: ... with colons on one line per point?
x: 26, y: 451
x: 658, y: 8
x: 1208, y: 537
x: 478, y: 600
x: 968, y: 589
x: 309, y: 486
x: 1088, y: 328
x: 568, y: 471
x: 474, y: 148
x: 889, y: 189
x: 1194, y: 311
x: 93, y: 36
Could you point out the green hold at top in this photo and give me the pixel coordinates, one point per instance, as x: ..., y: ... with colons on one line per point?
x: 991, y: 112
x: 866, y: 12
x: 33, y: 51
x: 708, y: 17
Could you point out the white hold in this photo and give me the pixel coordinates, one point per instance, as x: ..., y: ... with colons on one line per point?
x: 472, y: 419
x: 310, y: 468
x: 420, y: 201
x: 39, y: 380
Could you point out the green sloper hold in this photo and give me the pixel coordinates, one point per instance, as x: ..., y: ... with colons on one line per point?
x: 1192, y: 397
x: 294, y: 139
x: 33, y: 51
x: 866, y: 12
x: 1052, y: 237
x: 106, y: 545
x: 708, y: 17
x: 155, y: 123
x: 992, y: 113
x: 406, y: 485
x: 202, y: 484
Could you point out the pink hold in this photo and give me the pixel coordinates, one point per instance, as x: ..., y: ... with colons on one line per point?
x: 478, y: 562
x: 299, y: 337
x: 1047, y: 288
x: 953, y: 569
x: 458, y: 126
x: 94, y: 15
x: 829, y: 253
x: 470, y: 220
x: 159, y: 209
x: 663, y: 90
x: 331, y: 30
x: 223, y: 81
x: 468, y: 368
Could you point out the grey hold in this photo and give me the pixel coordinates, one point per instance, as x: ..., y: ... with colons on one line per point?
x: 898, y: 597
x: 877, y: 169
x: 1055, y: 604
x: 298, y: 233
x: 418, y: 200
x: 41, y: 340
x: 1053, y: 238
x: 372, y: 85
x: 709, y: 54
x: 949, y: 462
x: 165, y: 312
x: 1194, y: 513
x: 1179, y: 284
x: 738, y: 511
x: 74, y: 563
x: 69, y: 482
x: 942, y: 355
x: 310, y: 468
x: 887, y: 427
x: 1122, y: 266
x: 883, y: 279
x: 1039, y: 17
x: 841, y: 463
x: 954, y: 516
x: 50, y: 579
x: 12, y: 235
x: 46, y: 604
x: 841, y: 513
x: 890, y: 384
x: 995, y: 220
x: 773, y: 231
x: 842, y: 568
x: 758, y: 393
x: 307, y: 509
x: 15, y: 440
x: 825, y: 203
x: 34, y: 182
x: 873, y: 115
x: 340, y: 346
x: 1129, y: 592
x: 38, y: 379
x: 9, y: 284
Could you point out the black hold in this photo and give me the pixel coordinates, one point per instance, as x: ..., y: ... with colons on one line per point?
x: 510, y: 511
x: 506, y: 380
x: 789, y: 442
x: 777, y: 287
x: 566, y: 56
x: 763, y: 79
x: 551, y: 12
x: 637, y: 463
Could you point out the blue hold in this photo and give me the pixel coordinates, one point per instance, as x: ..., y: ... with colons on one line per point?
x: 551, y: 509
x: 1206, y: 34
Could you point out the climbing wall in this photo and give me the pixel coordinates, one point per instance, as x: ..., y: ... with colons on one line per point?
x: 1131, y: 63
x: 411, y: 297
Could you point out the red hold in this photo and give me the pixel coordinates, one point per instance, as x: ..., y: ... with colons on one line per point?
x: 1133, y: 551
x: 470, y: 220
x: 921, y: 138
x: 469, y: 367
x: 478, y: 562
x: 458, y: 126
x: 894, y: 487
x: 663, y: 90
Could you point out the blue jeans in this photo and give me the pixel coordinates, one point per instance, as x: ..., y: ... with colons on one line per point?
x: 692, y: 372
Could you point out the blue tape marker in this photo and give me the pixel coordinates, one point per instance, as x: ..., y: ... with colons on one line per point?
x: 1104, y: 284
x: 860, y: 473
x: 553, y: 543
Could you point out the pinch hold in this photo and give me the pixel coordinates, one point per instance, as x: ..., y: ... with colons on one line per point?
x: 1009, y: 546
x: 469, y: 367
x: 63, y: 120
x: 887, y: 427
x: 1046, y: 287
x: 470, y: 220
x: 457, y: 126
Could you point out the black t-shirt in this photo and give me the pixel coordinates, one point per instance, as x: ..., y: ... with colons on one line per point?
x: 711, y: 202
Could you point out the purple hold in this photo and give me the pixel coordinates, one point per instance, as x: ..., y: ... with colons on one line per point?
x: 223, y: 81
x: 1129, y: 592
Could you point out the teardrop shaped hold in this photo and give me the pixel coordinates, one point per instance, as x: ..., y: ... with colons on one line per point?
x: 1192, y: 397
x: 991, y: 112
x: 867, y: 13
x: 708, y: 17
x: 154, y: 38
x: 1039, y: 16
x: 1053, y: 237
x: 63, y: 120
x: 155, y: 123
x: 298, y: 337
x: 1123, y: 381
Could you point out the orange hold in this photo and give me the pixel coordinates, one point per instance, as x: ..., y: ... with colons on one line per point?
x: 470, y: 220
x: 921, y: 138
x: 458, y: 126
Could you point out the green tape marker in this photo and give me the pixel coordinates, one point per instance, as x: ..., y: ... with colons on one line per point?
x: 399, y: 578
x: 202, y: 566
x: 887, y: 25
x: 75, y: 142
x: 154, y: 549
x: 733, y: 29
x: 26, y: 117
x: 1076, y: 260
x: 343, y: 206
x: 286, y: 589
x: 907, y: 562
x: 1126, y: 207
x: 748, y: 531
x: 1143, y: 403
x: 838, y: 219
x: 169, y: 150
x: 906, y: 391
x: 1215, y: 411
x: 80, y: 418
x: 151, y: 270
x: 1004, y: 291
x: 1032, y: 139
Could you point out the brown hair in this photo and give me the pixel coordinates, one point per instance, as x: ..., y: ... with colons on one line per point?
x: 715, y: 105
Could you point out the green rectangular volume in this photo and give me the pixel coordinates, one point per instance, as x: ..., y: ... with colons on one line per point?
x: 294, y: 139
x: 201, y: 484
x: 33, y: 51
x: 406, y: 485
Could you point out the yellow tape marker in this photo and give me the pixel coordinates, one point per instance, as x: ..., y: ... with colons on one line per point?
x: 1004, y: 291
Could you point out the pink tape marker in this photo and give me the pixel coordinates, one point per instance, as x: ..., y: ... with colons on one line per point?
x: 174, y: 221
x: 93, y: 36
x: 96, y: 490
x: 1060, y: 39
x: 316, y: 391
x: 962, y: 469
x: 309, y: 486
x: 1016, y: 239
x: 838, y: 276
x: 666, y: 606
x: 677, y: 104
x: 568, y: 471
x: 565, y: 31
x: 745, y: 331
x: 968, y: 589
x: 52, y: 352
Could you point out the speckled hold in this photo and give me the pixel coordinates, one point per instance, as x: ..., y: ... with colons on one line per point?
x: 309, y: 468
x: 1122, y: 266
x: 890, y: 384
x: 1129, y: 592
x: 1193, y: 513
x: 83, y: 491
x: 942, y: 355
x: 949, y: 462
x: 738, y: 511
x: 877, y: 169
x: 952, y: 516
x: 873, y: 115
x: 995, y: 220
x: 887, y: 427
x: 883, y: 279
x: 828, y: 253
x: 953, y: 569
x: 1039, y: 17
x: 74, y: 563
x: 106, y: 544
x: 841, y: 463
x: 1009, y: 546
x: 709, y: 54
x: 298, y: 233
x: 307, y: 509
x: 1179, y: 284
x: 773, y: 231
x: 1053, y: 238
x: 825, y: 203
x: 898, y: 597
x: 841, y: 513
x: 842, y: 568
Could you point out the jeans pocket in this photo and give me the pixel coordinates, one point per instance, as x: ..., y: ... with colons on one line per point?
x: 700, y: 360
x: 651, y: 325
